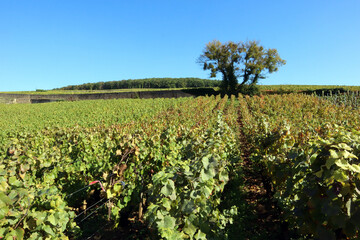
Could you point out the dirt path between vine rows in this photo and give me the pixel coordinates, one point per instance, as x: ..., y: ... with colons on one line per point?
x: 259, y: 195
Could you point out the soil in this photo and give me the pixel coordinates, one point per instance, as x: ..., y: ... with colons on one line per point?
x: 259, y: 195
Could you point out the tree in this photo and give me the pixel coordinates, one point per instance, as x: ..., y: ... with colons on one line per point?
x: 248, y: 60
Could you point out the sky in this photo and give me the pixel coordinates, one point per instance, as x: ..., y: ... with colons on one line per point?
x: 47, y: 44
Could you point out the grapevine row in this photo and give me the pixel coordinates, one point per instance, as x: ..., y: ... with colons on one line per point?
x: 310, y: 150
x: 169, y: 170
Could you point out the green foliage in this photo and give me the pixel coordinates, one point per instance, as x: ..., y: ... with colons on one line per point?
x: 306, y: 88
x: 42, y: 170
x: 90, y: 113
x: 312, y: 163
x: 31, y: 207
x: 248, y: 60
x: 147, y: 83
x: 343, y: 98
x: 186, y: 195
x: 168, y: 163
x: 327, y: 193
x: 318, y: 183
x: 251, y: 89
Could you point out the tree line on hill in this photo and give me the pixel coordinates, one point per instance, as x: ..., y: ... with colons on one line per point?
x: 147, y: 83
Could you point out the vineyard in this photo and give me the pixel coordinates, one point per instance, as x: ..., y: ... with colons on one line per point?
x: 262, y: 167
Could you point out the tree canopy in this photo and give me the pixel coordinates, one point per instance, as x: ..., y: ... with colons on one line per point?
x: 247, y: 60
x: 147, y: 83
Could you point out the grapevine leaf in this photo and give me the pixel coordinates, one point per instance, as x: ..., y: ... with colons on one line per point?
x: 14, y: 181
x: 5, y: 199
x: 188, y: 207
x: 3, y: 185
x: 159, y: 215
x: 189, y: 229
x: 30, y: 223
x: 40, y: 217
x: 34, y: 236
x: 48, y: 230
x: 333, y: 154
x: 2, y: 231
x: 344, y: 146
x: 117, y: 188
x: 3, y: 211
x: 319, y: 173
x: 168, y: 189
x: 19, y: 233
x: 166, y: 203
x: 340, y: 176
x: 205, y: 161
x: 52, y: 219
x: 342, y: 163
x: 223, y: 176
x: 200, y: 235
x: 355, y: 168
x: 169, y: 222
x: 346, y: 154
x: 207, y: 191
x: 329, y: 163
x: 207, y: 174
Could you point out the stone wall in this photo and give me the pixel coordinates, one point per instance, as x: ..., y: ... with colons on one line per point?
x: 37, y: 98
x: 14, y: 98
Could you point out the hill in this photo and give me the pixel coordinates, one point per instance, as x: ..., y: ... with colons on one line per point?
x: 146, y: 83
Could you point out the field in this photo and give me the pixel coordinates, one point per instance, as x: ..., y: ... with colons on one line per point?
x: 23, y: 117
x: 301, y: 88
x: 263, y: 88
x: 188, y: 168
x: 45, y: 92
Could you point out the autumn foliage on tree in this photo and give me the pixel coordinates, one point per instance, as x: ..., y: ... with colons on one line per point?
x: 246, y: 60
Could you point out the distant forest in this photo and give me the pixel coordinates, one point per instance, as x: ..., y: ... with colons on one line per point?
x: 147, y: 83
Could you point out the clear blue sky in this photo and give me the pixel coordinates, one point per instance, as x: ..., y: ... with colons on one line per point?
x: 45, y: 44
